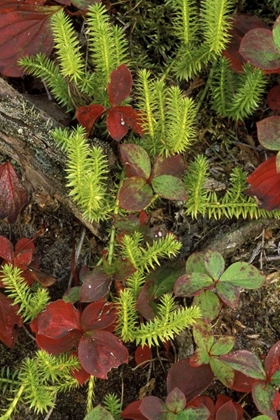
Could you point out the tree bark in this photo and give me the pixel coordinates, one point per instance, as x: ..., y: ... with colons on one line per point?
x: 25, y: 137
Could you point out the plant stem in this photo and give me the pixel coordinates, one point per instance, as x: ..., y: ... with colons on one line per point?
x: 13, y: 405
x: 207, y: 85
x: 90, y: 393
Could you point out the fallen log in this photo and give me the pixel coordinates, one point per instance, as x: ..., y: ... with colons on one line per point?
x: 25, y: 137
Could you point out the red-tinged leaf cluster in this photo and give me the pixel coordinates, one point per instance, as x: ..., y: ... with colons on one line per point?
x: 266, y: 377
x: 224, y: 408
x: 9, y: 321
x: 61, y: 327
x: 119, y: 117
x: 138, y: 189
x: 151, y: 408
x: 24, y: 258
x: 264, y: 185
x: 24, y: 30
x: 13, y: 195
x: 241, y: 24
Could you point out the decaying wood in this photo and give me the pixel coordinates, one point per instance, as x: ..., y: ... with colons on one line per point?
x: 229, y: 242
x: 25, y: 137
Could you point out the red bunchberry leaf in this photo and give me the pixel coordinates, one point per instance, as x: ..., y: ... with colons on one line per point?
x: 265, y: 183
x: 23, y: 258
x: 142, y: 354
x: 132, y: 411
x: 58, y: 319
x: 116, y: 125
x: 9, y: 319
x: 123, y: 269
x: 87, y: 115
x: 95, y: 286
x: 242, y: 383
x: 169, y: 187
x: 13, y: 196
x: 191, y: 381
x: 269, y: 132
x: 259, y: 48
x: 100, y: 352
x: 224, y: 399
x: 24, y: 30
x: 227, y: 411
x: 80, y: 374
x: 172, y: 165
x: 135, y: 194
x: 241, y: 24
x: 136, y: 161
x: 153, y: 408
x: 120, y: 85
x: 273, y: 98
x: 98, y: 316
x: 207, y: 402
x: 272, y: 360
x: 263, y: 395
x: 145, y: 304
x: 6, y: 250
x: 61, y: 345
x: 120, y: 118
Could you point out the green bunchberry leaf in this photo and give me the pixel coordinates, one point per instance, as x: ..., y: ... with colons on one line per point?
x: 214, y: 264
x: 136, y: 161
x: 224, y: 373
x: 169, y: 187
x: 203, y: 335
x: 276, y: 33
x: 199, y: 413
x: 209, y: 305
x: 242, y: 274
x: 263, y: 396
x: 222, y: 346
x: 275, y: 379
x: 190, y: 284
x: 99, y: 413
x: 245, y: 362
x: 175, y: 401
x: 228, y: 293
x: 196, y: 263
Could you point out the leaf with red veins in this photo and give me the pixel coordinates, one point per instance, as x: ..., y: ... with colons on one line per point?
x: 100, y: 352
x: 120, y: 85
x: 9, y: 319
x: 265, y: 185
x: 13, y: 196
x: 58, y: 319
x: 6, y: 250
x: 98, y: 316
x: 87, y: 115
x: 24, y: 31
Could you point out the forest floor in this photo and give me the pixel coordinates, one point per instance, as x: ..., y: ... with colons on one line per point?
x: 255, y: 323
